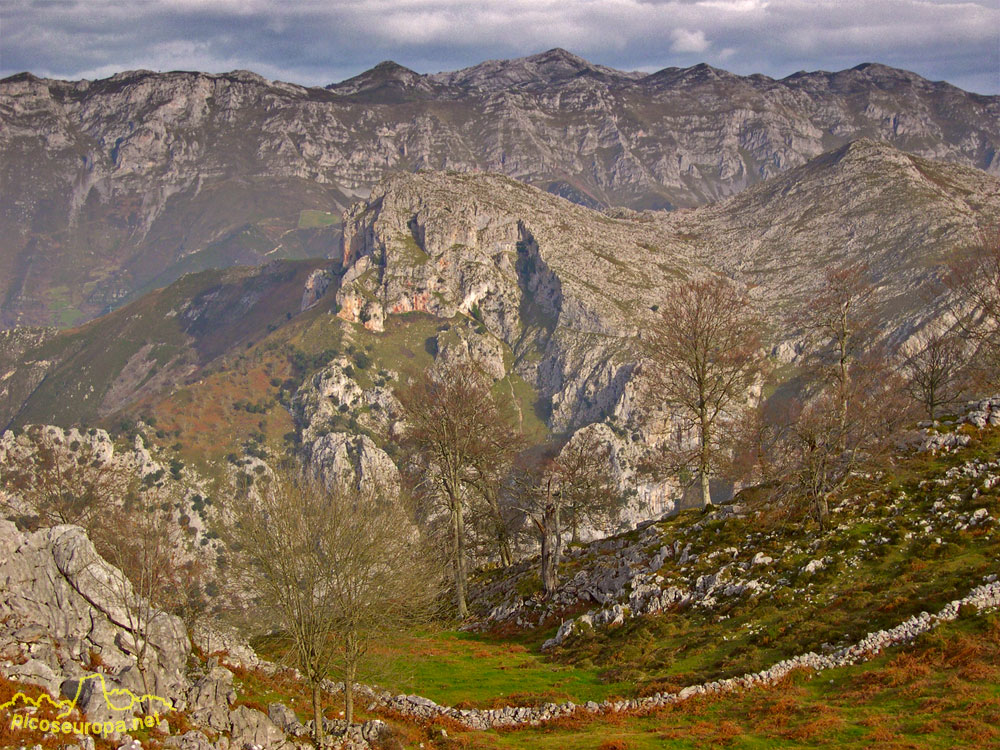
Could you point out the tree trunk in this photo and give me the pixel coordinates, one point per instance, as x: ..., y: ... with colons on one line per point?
x: 318, y: 733
x: 548, y: 578
x: 503, y: 540
x: 504, y: 551
x: 842, y: 377
x: 506, y: 554
x: 705, y: 460
x: 349, y: 698
x: 551, y: 543
x: 458, y: 550
x: 822, y: 511
x: 706, y: 491
x: 140, y: 662
x: 557, y: 556
x: 350, y: 674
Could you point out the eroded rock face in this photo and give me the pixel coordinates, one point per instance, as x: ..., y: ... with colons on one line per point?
x: 569, y: 290
x: 470, y: 342
x: 210, y: 697
x: 494, y: 250
x: 353, y: 461
x: 250, y: 727
x: 62, y: 627
x: 332, y: 396
x: 55, y: 582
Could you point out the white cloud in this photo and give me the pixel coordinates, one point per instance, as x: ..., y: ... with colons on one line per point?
x: 688, y: 41
x: 735, y: 6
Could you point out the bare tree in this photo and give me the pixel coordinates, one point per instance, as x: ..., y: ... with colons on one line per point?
x: 974, y: 280
x: 333, y: 570
x: 935, y: 375
x: 806, y: 450
x: 841, y: 310
x: 574, y: 482
x: 141, y: 539
x: 490, y: 472
x: 702, y: 358
x: 457, y: 429
x: 62, y: 479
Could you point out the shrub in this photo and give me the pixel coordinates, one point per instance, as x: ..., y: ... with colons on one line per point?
x: 529, y: 585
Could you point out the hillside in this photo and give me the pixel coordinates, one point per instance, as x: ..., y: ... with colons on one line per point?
x: 156, y: 344
x: 722, y: 628
x: 111, y: 187
x: 541, y: 292
x: 569, y: 290
x: 725, y: 630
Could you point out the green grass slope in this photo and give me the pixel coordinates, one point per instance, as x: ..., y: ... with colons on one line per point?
x: 158, y: 341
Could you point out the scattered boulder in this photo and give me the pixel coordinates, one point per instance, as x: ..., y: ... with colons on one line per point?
x: 251, y: 727
x: 210, y: 697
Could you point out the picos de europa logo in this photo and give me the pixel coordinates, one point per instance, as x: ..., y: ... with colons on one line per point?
x: 20, y: 712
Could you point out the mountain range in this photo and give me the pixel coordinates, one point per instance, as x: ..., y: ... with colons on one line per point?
x: 547, y: 296
x: 112, y: 188
x: 204, y: 275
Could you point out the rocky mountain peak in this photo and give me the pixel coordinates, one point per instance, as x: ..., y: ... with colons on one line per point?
x: 128, y: 182
x: 532, y: 73
x: 867, y: 148
x: 387, y: 72
x: 23, y: 77
x: 558, y: 58
x: 700, y: 73
x: 878, y: 70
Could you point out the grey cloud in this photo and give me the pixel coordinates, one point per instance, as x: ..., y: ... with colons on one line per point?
x: 317, y: 42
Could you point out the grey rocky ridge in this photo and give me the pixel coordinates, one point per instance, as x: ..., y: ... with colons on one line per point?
x: 553, y: 294
x: 112, y: 187
x: 569, y: 291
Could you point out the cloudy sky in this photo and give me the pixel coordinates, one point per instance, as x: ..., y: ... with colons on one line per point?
x: 315, y: 42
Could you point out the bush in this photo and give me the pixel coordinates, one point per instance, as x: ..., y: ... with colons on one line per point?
x: 529, y: 585
x: 176, y: 465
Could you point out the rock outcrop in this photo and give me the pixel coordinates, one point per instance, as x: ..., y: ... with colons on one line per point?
x: 570, y: 292
x: 77, y: 606
x: 65, y: 627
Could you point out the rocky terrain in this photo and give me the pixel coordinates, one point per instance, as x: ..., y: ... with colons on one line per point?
x: 568, y: 289
x: 63, y: 619
x: 548, y: 297
x: 113, y: 187
x: 568, y: 292
x: 621, y: 578
x: 302, y: 348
